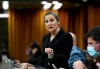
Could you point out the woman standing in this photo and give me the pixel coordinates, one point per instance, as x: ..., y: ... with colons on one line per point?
x: 57, y: 44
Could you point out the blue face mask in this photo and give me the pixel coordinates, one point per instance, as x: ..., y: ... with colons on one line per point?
x: 92, y: 52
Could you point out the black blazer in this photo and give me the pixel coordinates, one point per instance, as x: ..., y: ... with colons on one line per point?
x: 61, y: 44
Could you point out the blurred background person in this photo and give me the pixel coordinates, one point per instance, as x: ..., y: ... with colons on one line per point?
x: 34, y: 53
x: 4, y: 51
x: 76, y: 53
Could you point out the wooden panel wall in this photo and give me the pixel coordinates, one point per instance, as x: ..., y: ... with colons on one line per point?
x: 93, y: 16
x: 25, y: 26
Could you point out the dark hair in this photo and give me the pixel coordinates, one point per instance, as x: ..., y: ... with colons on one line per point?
x: 94, y: 33
x: 36, y: 45
x: 52, y: 13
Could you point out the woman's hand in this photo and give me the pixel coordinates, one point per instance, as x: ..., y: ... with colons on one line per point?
x: 48, y: 50
x: 50, y: 53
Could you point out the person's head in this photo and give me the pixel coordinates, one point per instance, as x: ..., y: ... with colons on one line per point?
x: 74, y: 39
x: 51, y: 21
x: 93, y: 40
x: 35, y: 47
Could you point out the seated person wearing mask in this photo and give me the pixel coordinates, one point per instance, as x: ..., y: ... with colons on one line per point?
x: 93, y: 48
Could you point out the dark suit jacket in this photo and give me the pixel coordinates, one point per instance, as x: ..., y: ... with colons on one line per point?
x: 61, y: 44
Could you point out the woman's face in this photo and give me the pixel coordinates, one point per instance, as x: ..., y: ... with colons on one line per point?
x: 51, y: 23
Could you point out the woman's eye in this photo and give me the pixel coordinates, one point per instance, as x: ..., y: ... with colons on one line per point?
x: 51, y: 20
x: 46, y: 21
